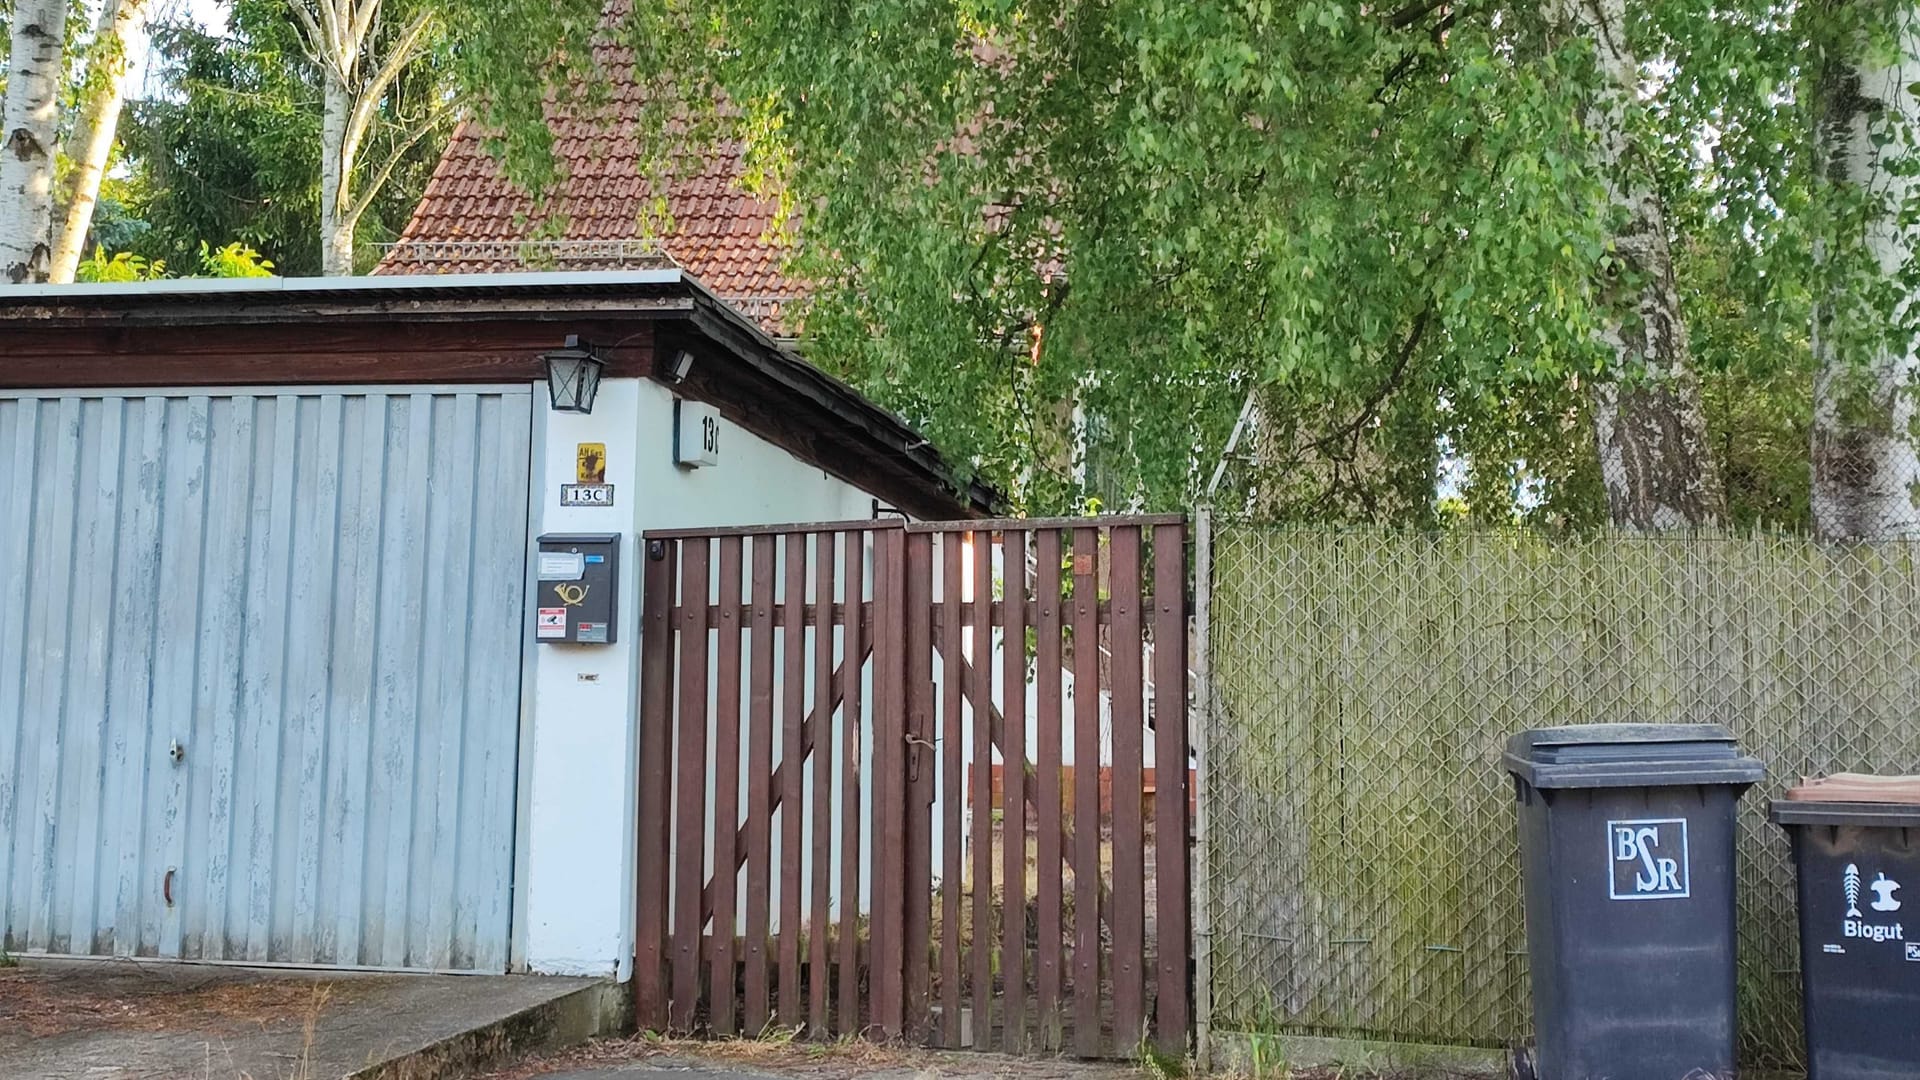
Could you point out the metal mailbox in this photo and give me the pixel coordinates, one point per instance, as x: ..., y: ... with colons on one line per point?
x: 577, y: 599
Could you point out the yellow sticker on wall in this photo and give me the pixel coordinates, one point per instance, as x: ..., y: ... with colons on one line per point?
x: 593, y: 463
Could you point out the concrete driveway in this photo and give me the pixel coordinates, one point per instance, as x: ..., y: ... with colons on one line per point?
x: 118, y: 1020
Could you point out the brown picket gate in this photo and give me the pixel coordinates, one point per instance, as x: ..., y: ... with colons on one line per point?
x: 865, y: 799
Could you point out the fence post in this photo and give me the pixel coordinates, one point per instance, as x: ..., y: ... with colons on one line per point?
x: 656, y: 742
x: 1202, y: 727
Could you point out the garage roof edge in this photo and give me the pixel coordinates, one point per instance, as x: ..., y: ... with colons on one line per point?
x: 424, y: 284
x: 921, y: 478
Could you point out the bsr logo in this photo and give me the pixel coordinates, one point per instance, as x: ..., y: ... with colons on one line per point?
x: 1649, y: 860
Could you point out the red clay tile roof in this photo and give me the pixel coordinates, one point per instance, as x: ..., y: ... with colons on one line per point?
x: 472, y: 220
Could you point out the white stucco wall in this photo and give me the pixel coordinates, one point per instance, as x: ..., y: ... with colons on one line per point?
x: 574, y: 895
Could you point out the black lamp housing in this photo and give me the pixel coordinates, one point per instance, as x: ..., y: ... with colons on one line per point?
x: 573, y: 375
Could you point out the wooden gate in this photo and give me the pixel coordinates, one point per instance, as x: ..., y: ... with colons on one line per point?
x: 911, y: 781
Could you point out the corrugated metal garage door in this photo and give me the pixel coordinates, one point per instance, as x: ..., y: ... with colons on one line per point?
x: 260, y: 664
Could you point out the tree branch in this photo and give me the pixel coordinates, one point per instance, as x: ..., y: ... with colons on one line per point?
x: 1414, y: 12
x: 371, y: 189
x: 1410, y: 59
x: 365, y: 17
x: 367, y: 98
x: 312, y: 38
x: 1393, y: 380
x: 1370, y: 408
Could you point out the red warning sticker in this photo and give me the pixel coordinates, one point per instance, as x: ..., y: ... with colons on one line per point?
x: 552, y: 623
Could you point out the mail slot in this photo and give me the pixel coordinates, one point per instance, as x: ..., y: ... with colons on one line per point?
x: 577, y: 600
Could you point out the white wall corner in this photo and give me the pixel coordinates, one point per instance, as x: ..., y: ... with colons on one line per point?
x: 579, y: 828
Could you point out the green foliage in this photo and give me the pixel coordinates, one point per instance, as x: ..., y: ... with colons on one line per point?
x: 1355, y: 215
x: 235, y: 260
x: 1072, y: 241
x: 120, y: 267
x: 117, y: 225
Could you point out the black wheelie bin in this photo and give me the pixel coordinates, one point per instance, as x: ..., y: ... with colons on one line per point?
x: 1856, y: 848
x: 1627, y: 850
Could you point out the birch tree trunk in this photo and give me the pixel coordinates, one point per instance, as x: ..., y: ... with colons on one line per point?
x: 29, y: 126
x: 339, y: 35
x: 1866, y: 463
x: 1649, y: 424
x: 119, y: 34
x: 336, y: 182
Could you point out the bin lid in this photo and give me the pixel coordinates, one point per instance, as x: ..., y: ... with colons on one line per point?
x: 1851, y: 799
x: 1630, y: 755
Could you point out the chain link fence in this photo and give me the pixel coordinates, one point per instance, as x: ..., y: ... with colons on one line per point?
x: 1361, y: 874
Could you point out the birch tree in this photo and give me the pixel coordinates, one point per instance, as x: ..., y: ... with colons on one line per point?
x: 1866, y: 462
x: 118, y: 34
x: 1649, y: 422
x: 29, y: 128
x: 359, y: 65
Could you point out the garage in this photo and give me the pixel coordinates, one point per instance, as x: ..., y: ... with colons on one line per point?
x: 273, y: 687
x: 260, y: 672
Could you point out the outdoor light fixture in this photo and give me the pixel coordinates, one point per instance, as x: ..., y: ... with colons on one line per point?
x: 573, y: 375
x: 679, y: 366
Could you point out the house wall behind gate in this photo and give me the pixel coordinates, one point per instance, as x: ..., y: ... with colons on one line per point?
x: 578, y: 790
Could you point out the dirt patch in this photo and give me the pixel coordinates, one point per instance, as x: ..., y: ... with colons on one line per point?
x: 855, y: 1060
x: 41, y: 1003
x: 1349, y: 1073
x: 815, y: 1061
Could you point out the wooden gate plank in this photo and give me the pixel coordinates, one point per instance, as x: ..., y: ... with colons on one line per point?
x: 821, y: 747
x: 759, y: 798
x: 980, y: 691
x: 1129, y: 831
x: 917, y: 879
x: 852, y: 730
x: 1172, y: 1015
x: 1086, y: 792
x: 1013, y: 827
x: 1049, y: 889
x: 726, y: 798
x: 889, y: 801
x: 655, y: 839
x: 793, y: 686
x: 952, y: 768
x: 689, y: 857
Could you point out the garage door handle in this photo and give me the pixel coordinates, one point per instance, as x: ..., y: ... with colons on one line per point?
x: 166, y: 886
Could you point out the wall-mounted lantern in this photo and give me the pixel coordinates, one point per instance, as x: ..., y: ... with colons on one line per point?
x: 573, y: 375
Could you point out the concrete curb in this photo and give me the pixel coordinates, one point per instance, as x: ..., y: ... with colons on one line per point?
x: 569, y: 1019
